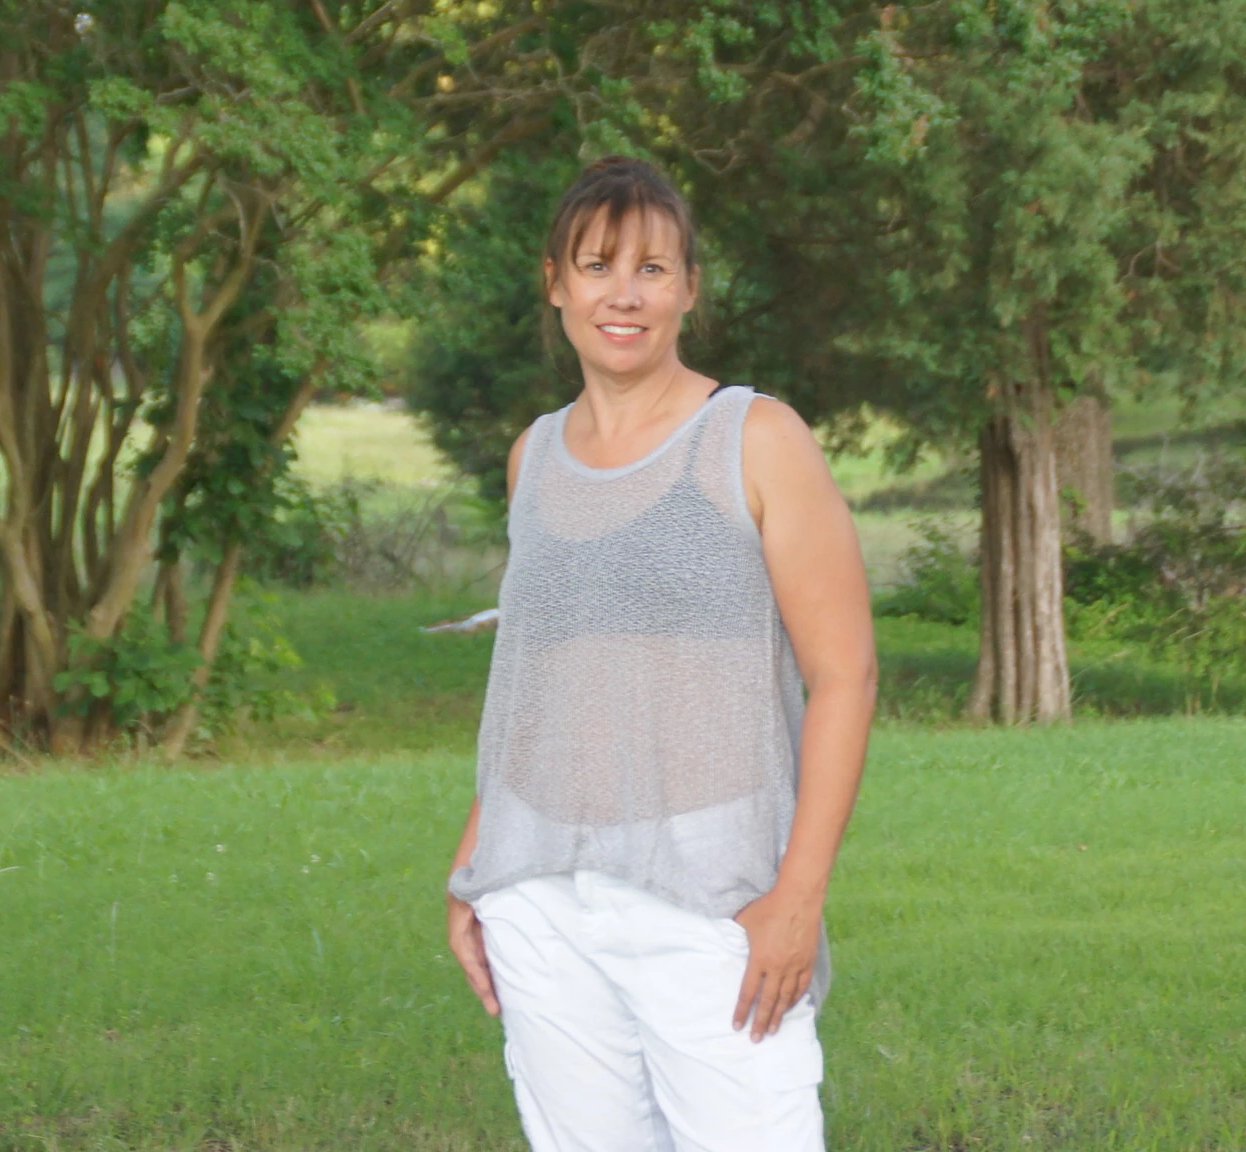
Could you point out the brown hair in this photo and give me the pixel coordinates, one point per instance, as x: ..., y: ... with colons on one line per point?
x: 619, y: 184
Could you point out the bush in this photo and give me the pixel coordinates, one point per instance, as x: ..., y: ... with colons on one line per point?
x: 298, y: 547
x: 135, y: 679
x: 940, y: 581
x: 1177, y: 583
x: 246, y: 675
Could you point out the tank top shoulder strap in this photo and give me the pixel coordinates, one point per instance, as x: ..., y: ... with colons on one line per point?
x: 729, y: 404
x: 537, y: 447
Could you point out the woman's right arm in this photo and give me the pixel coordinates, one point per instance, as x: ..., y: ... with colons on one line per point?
x: 463, y: 929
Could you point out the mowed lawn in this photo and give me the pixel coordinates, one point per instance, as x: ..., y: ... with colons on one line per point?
x: 1039, y: 944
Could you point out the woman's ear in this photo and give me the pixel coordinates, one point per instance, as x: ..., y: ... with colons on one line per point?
x: 694, y: 288
x: 553, y: 289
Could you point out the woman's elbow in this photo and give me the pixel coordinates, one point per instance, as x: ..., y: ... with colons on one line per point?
x: 854, y: 680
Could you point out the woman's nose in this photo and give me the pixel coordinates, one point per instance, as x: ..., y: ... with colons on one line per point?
x: 625, y: 290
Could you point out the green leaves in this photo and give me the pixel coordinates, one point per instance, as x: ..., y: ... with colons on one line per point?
x: 119, y: 98
x: 141, y: 674
x: 24, y: 106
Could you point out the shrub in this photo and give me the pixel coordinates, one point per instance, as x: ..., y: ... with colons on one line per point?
x: 132, y: 680
x: 298, y: 545
x: 246, y: 678
x: 1177, y: 583
x: 940, y: 581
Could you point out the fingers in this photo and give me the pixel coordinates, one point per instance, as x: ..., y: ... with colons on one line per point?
x: 749, y: 987
x: 476, y: 968
x: 769, y: 996
x: 468, y: 945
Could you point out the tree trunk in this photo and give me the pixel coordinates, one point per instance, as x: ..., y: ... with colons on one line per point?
x: 168, y: 599
x: 1023, y: 672
x: 1083, y: 434
x: 184, y: 719
x: 30, y: 645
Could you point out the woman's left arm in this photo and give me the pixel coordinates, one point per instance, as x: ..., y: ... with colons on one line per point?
x: 814, y: 561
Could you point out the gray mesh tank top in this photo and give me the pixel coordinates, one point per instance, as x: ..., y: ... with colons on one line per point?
x: 644, y: 707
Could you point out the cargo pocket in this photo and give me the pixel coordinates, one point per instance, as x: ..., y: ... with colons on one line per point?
x: 508, y: 1057
x: 791, y: 1059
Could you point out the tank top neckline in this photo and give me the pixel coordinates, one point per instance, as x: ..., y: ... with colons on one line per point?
x: 577, y: 465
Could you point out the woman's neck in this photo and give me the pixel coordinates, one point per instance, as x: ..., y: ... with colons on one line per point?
x: 610, y: 409
x: 613, y: 423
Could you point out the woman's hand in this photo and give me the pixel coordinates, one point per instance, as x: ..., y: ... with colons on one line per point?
x: 468, y: 945
x: 783, y: 934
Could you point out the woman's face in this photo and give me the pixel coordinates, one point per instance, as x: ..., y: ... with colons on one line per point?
x: 622, y: 309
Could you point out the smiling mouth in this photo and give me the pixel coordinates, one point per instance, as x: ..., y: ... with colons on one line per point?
x: 621, y: 329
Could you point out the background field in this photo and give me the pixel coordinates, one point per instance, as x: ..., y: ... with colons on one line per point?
x: 1037, y: 934
x: 385, y: 445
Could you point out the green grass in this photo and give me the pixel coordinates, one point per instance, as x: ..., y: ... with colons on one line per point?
x: 238, y: 959
x: 398, y: 688
x: 366, y: 442
x: 1034, y: 946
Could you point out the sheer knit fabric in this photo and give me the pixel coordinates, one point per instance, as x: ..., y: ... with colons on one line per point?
x: 644, y: 706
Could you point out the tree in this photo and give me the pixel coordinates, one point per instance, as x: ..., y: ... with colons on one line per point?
x: 725, y: 96
x: 1032, y: 150
x: 199, y: 200
x: 972, y: 216
x: 481, y: 366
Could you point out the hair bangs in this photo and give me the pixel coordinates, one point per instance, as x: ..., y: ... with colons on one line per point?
x: 618, y: 187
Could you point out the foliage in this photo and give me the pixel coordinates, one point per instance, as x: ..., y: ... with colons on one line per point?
x: 479, y: 366
x: 139, y: 674
x: 296, y: 545
x: 940, y: 582
x: 250, y: 675
x: 1178, y: 584
x: 911, y: 205
x: 951, y: 212
x: 203, y: 199
x: 142, y: 677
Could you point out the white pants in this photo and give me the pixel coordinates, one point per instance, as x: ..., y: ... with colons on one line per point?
x: 617, y: 1011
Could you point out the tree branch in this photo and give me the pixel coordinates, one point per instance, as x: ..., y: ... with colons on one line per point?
x: 352, y: 85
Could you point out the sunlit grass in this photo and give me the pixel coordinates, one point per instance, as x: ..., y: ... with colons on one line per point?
x: 363, y: 441
x: 1032, y: 933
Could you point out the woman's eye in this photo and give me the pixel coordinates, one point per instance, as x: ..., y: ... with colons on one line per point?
x: 653, y: 269
x: 594, y: 266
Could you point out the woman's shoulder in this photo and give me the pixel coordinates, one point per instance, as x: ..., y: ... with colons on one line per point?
x: 773, y: 421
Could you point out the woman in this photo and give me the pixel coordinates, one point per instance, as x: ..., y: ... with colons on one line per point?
x: 675, y: 724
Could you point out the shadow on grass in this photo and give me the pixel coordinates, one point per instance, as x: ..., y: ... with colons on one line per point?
x: 954, y: 490
x: 1228, y: 435
x: 926, y: 674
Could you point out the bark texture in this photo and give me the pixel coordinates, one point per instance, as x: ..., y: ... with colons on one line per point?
x: 1083, y: 434
x: 1023, y: 672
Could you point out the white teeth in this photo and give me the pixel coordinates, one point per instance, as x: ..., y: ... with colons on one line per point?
x: 620, y: 330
